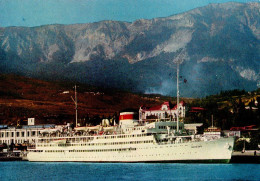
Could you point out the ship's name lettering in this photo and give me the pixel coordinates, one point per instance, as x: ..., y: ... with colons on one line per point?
x: 196, y: 146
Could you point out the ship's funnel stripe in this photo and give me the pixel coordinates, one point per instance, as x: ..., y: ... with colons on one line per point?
x: 126, y: 117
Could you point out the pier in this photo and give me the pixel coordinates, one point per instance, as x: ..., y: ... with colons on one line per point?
x: 249, y: 156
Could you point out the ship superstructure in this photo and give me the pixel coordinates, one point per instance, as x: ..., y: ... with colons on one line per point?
x: 131, y: 141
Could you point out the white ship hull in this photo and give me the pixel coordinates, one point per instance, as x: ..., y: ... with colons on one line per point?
x: 219, y: 150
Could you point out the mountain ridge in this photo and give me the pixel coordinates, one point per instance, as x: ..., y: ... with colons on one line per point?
x: 218, y: 41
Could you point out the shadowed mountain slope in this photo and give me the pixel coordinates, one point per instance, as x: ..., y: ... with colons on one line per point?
x: 220, y: 44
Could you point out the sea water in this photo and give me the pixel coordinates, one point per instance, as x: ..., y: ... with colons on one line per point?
x: 126, y: 171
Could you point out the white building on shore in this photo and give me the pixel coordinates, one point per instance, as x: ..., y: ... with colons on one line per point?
x: 21, y: 135
x: 163, y: 111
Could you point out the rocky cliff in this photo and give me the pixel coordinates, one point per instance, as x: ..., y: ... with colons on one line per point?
x: 220, y: 46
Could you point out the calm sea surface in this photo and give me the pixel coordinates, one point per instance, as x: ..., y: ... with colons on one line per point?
x: 126, y: 171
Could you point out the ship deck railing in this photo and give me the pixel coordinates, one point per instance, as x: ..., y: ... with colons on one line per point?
x: 183, y: 141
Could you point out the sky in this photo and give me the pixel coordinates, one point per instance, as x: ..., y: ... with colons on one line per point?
x: 41, y: 12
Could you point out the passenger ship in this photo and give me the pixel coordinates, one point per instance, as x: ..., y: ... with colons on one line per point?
x: 161, y: 140
x: 132, y: 141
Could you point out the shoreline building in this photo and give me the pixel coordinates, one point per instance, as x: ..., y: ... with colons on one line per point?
x: 163, y: 111
x: 25, y: 134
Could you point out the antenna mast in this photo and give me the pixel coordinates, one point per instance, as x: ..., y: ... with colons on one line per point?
x: 178, y: 96
x: 212, y: 124
x: 76, y: 104
x: 179, y: 58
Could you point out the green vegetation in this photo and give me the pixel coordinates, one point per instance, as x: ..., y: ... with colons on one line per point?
x: 252, y: 145
x: 229, y: 108
x: 235, y: 108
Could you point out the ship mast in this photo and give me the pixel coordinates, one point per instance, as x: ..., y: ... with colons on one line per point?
x: 179, y: 59
x: 76, y: 105
x: 212, y: 124
x: 178, y: 96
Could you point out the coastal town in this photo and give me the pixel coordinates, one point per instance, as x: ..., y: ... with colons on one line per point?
x: 16, y: 140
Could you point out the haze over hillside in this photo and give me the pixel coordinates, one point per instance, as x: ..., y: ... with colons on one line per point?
x: 220, y: 44
x: 50, y: 102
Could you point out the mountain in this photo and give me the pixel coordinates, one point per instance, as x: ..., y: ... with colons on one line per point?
x: 50, y: 102
x: 219, y: 45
